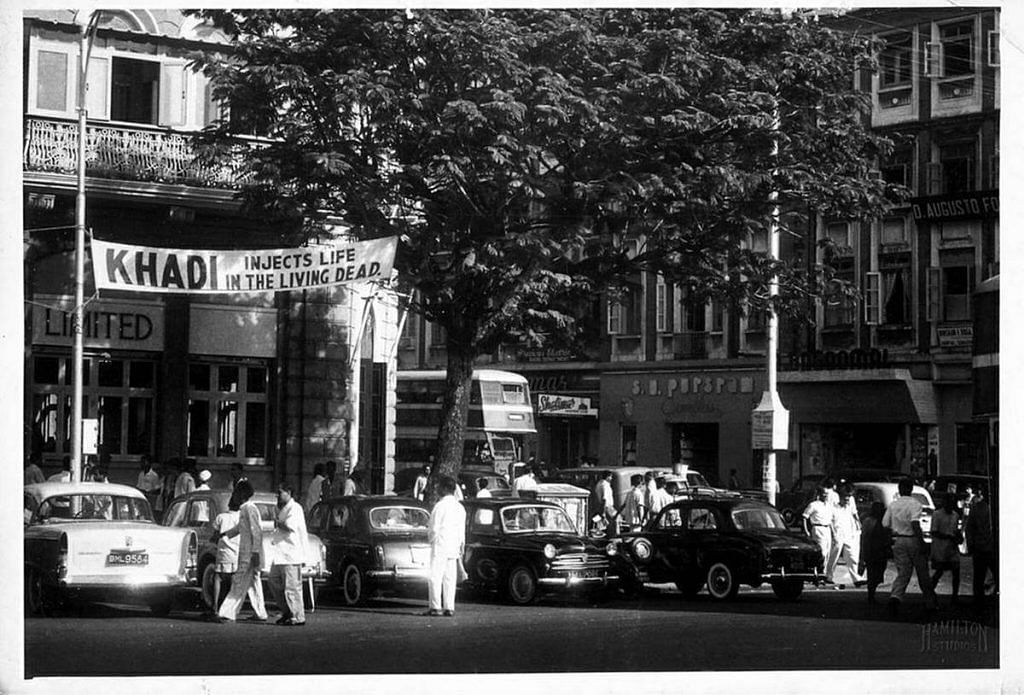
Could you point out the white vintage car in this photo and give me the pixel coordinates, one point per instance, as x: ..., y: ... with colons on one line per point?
x: 99, y: 541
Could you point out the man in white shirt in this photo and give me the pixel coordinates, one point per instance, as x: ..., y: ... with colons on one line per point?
x: 316, y: 486
x: 447, y: 533
x: 817, y: 519
x: 149, y: 480
x: 604, y: 499
x: 659, y: 498
x: 246, y: 579
x: 845, y: 538
x: 419, y: 488
x: 482, y: 491
x: 909, y: 554
x: 289, y: 551
x: 634, y: 509
x: 65, y: 472
x: 527, y: 481
x: 186, y: 481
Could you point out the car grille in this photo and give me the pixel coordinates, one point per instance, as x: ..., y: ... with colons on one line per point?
x: 578, y: 561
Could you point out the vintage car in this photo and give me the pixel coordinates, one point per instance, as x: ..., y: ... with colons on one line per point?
x: 469, y: 480
x: 99, y: 541
x: 197, y: 511
x: 522, y: 548
x: 722, y: 543
x: 864, y: 493
x: 374, y: 543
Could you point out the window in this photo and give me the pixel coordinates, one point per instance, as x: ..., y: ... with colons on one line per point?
x: 894, y: 63
x: 52, y: 84
x: 896, y: 292
x: 661, y: 310
x: 838, y: 233
x: 227, y: 410
x: 702, y: 519
x: 957, y: 283
x: 993, y: 48
x: 134, y: 90
x: 117, y: 392
x: 957, y: 54
x: 198, y: 512
x: 625, y: 312
x: 614, y: 318
x: 717, y: 315
x: 627, y: 436
x: 897, y: 168
x: 894, y: 231
x: 957, y: 162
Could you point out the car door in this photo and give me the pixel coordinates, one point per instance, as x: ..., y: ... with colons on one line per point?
x: 336, y: 532
x: 483, y: 557
x: 199, y: 517
x: 667, y: 534
x: 703, y: 537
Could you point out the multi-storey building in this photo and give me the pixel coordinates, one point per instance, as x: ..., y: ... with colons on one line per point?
x: 274, y: 381
x: 884, y: 382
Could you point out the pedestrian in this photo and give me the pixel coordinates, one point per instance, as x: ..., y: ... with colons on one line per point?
x: 315, y: 490
x: 817, y: 520
x: 527, y: 481
x: 633, y: 508
x: 419, y: 488
x: 481, y: 488
x: 831, y: 496
x: 660, y: 498
x: 734, y: 481
x: 333, y: 484
x: 981, y: 544
x: 237, y: 473
x: 604, y: 500
x: 149, y: 480
x: 246, y: 579
x: 227, y: 553
x: 846, y: 529
x: 875, y: 549
x: 909, y: 553
x: 185, y: 482
x: 447, y: 536
x: 649, y: 487
x: 289, y: 550
x: 946, y: 538
x: 33, y: 473
x: 350, y: 485
x: 171, y: 468
x: 64, y: 476
x: 204, y: 480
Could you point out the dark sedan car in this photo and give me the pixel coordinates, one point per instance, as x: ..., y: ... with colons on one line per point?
x: 375, y: 543
x: 722, y: 543
x: 522, y: 548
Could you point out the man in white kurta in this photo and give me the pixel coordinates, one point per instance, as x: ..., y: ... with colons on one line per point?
x: 845, y: 538
x: 447, y: 539
x: 817, y: 518
x: 289, y: 550
x: 246, y: 579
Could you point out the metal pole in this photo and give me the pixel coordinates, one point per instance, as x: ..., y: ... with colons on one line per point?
x: 773, y: 322
x: 77, y: 352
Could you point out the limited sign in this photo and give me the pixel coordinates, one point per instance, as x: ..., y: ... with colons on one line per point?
x: 150, y: 269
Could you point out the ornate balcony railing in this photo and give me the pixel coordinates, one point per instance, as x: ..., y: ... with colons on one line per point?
x: 129, y: 153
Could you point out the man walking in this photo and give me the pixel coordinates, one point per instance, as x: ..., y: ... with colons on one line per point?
x: 447, y: 537
x: 634, y: 508
x: 419, y: 488
x: 817, y: 519
x: 909, y: 551
x: 846, y: 538
x: 246, y: 579
x: 315, y: 491
x: 149, y: 480
x: 981, y: 544
x: 289, y: 550
x: 604, y: 501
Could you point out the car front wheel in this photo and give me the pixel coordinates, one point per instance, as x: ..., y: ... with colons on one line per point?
x: 722, y: 582
x: 522, y: 585
x: 353, y: 590
x: 788, y: 589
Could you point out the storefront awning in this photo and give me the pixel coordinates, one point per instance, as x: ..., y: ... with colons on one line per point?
x: 858, y: 396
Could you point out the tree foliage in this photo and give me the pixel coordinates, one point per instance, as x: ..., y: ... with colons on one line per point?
x: 511, y: 149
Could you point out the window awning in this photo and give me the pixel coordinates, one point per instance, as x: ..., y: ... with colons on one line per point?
x: 858, y: 396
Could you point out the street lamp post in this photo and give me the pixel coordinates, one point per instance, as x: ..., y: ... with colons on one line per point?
x: 87, y: 22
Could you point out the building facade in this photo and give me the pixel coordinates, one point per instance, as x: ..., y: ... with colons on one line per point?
x: 884, y: 382
x: 275, y: 381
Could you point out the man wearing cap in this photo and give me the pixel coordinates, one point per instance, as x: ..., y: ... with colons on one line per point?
x: 204, y: 480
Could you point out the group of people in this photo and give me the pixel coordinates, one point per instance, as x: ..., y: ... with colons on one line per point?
x: 831, y: 520
x: 647, y: 495
x: 240, y: 558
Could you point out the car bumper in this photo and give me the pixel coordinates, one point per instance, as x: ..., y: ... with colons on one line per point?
x: 572, y: 581
x: 139, y: 581
x: 782, y: 574
x: 400, y: 575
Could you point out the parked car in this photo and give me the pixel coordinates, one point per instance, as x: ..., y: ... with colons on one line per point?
x: 522, y: 548
x: 374, y: 543
x: 469, y: 477
x: 722, y: 542
x: 100, y: 541
x: 587, y: 477
x: 865, y: 493
x: 197, y: 511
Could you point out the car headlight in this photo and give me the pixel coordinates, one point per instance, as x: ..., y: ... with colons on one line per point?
x: 642, y: 549
x: 550, y: 551
x: 612, y: 548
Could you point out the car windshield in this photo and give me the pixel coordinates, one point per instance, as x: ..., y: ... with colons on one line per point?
x: 526, y: 519
x: 107, y: 507
x: 697, y: 480
x: 399, y: 518
x: 757, y: 518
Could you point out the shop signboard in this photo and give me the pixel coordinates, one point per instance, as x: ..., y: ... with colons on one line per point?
x: 105, y: 324
x: 955, y: 336
x: 769, y: 424
x: 165, y: 270
x: 555, y: 404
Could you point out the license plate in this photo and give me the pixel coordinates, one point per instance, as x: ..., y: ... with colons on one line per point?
x: 584, y: 574
x: 127, y: 557
x: 797, y: 565
x: 420, y: 554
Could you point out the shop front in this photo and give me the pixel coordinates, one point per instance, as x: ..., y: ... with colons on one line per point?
x: 566, y: 405
x: 699, y: 418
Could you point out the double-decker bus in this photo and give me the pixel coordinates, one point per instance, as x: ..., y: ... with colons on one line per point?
x: 500, y: 418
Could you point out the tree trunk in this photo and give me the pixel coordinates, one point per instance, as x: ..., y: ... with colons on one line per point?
x: 454, y: 412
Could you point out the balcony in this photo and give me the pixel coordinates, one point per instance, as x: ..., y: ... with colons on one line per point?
x: 128, y: 153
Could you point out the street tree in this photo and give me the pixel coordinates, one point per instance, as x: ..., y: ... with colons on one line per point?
x: 512, y: 151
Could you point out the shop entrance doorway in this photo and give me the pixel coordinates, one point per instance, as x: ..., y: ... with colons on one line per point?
x: 695, y: 444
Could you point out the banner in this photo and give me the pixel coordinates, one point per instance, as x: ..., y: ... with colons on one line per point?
x: 148, y: 269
